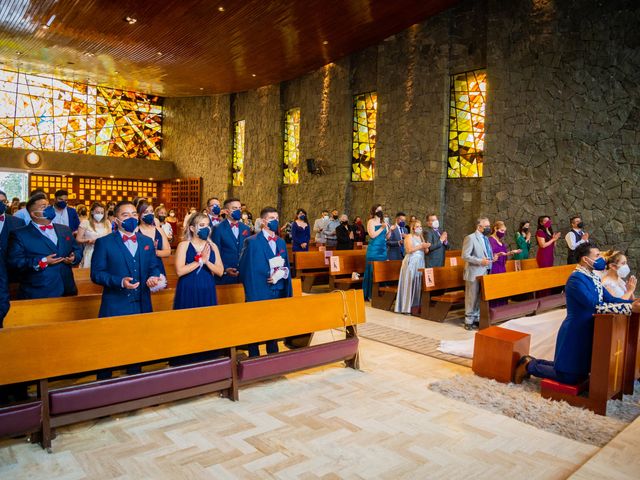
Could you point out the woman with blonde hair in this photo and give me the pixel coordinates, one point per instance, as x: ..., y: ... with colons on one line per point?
x: 410, y: 284
x: 95, y: 226
x: 614, y: 277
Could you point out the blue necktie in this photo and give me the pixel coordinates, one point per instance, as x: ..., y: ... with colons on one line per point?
x: 488, y: 247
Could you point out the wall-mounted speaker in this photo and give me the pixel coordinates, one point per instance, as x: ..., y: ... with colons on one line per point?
x: 311, y: 165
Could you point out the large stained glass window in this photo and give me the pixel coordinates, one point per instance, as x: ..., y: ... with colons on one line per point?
x: 44, y: 113
x: 291, y: 146
x: 466, y: 124
x: 237, y: 163
x: 365, y: 108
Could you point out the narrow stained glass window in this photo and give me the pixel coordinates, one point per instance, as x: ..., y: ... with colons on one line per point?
x: 45, y: 113
x: 291, y: 147
x: 365, y: 108
x: 466, y: 124
x: 237, y: 167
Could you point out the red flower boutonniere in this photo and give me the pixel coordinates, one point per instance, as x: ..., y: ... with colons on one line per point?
x: 245, y: 233
x: 146, y: 247
x: 197, y: 258
x: 280, y: 252
x: 68, y: 238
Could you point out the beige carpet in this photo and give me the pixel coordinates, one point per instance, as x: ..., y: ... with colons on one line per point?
x: 409, y: 341
x: 524, y: 403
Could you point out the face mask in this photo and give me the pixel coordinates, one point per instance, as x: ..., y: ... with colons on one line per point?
x: 273, y: 225
x: 172, y: 214
x: 148, y: 218
x: 61, y: 205
x: 386, y: 220
x: 345, y: 222
x: 599, y: 264
x: 486, y: 231
x: 500, y: 234
x: 236, y: 215
x: 303, y: 218
x: 3, y: 208
x: 129, y: 225
x: 401, y: 224
x: 325, y: 217
x: 418, y: 230
x: 215, y: 209
x: 525, y: 230
x: 49, y: 213
x: 98, y: 217
x: 547, y: 224
x: 624, y: 271
x: 335, y: 217
x: 359, y: 222
x: 379, y: 214
x: 581, y: 225
x: 435, y: 224
x: 162, y: 218
x: 203, y: 233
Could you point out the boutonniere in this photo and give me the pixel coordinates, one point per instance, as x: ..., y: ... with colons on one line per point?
x: 146, y: 247
x: 280, y: 252
x: 68, y: 238
x: 245, y: 233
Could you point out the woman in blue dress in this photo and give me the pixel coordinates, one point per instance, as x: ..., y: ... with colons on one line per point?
x: 300, y: 232
x: 149, y: 226
x: 197, y: 263
x: 376, y: 248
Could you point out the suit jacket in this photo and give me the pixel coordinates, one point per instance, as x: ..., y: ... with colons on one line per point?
x: 230, y: 247
x: 473, y: 251
x: 74, y: 220
x: 342, y: 234
x: 395, y: 250
x: 255, y: 270
x: 11, y: 223
x: 27, y: 246
x: 575, y: 336
x: 111, y: 262
x: 4, y: 289
x: 436, y: 254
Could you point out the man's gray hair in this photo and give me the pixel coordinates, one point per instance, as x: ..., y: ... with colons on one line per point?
x: 480, y: 219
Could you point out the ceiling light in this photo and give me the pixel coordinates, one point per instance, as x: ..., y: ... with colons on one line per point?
x: 45, y: 27
x: 326, y: 42
x: 89, y: 54
x: 221, y: 9
x: 32, y: 159
x: 130, y: 20
x: 150, y: 178
x: 159, y: 54
x: 110, y: 176
x: 71, y: 173
x: 201, y: 88
x: 48, y: 24
x: 253, y: 74
x: 116, y: 72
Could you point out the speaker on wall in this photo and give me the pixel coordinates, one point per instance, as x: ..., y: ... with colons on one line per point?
x: 311, y: 165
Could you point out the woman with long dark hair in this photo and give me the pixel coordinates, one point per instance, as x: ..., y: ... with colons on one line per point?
x: 377, y: 247
x: 300, y: 232
x: 546, y: 241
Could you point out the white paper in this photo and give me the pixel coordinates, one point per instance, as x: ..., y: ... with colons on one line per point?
x: 428, y: 278
x: 453, y: 261
x: 334, y: 263
x: 277, y: 275
x: 162, y: 284
x: 276, y: 262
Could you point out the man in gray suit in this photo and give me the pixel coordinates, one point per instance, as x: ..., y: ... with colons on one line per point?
x: 439, y: 244
x: 477, y: 255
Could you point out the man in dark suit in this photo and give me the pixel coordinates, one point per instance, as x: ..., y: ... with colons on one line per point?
x: 8, y: 223
x: 43, y: 254
x: 4, y: 289
x: 229, y: 236
x: 395, y: 242
x: 65, y: 215
x: 344, y: 234
x: 264, y: 268
x: 438, y: 240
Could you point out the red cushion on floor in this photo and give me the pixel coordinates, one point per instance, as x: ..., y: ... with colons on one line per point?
x: 554, y: 386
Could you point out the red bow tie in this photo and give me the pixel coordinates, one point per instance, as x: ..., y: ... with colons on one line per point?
x: 44, y: 228
x: 133, y: 238
x: 235, y: 225
x: 272, y: 239
x: 1, y: 218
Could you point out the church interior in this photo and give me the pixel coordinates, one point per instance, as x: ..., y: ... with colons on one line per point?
x: 319, y: 239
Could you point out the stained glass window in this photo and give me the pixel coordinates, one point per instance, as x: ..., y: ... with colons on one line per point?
x: 44, y: 113
x: 291, y: 146
x: 237, y: 168
x: 466, y: 124
x: 365, y: 108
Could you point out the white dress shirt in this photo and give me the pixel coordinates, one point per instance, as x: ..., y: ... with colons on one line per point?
x: 50, y: 233
x: 131, y: 246
x: 62, y: 217
x: 570, y: 238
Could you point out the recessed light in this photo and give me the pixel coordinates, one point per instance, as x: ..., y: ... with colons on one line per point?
x: 326, y: 42
x: 18, y: 53
x: 253, y: 74
x: 130, y: 20
x: 45, y: 27
x: 89, y: 54
x: 159, y: 54
x: 221, y: 9
x: 150, y: 178
x: 110, y: 176
x: 116, y: 72
x: 71, y: 173
x: 201, y: 88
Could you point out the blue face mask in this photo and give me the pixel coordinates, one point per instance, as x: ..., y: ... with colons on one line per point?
x: 402, y: 224
x: 203, y: 233
x: 148, y: 218
x: 600, y: 264
x: 236, y: 215
x: 49, y: 213
x: 303, y: 218
x: 3, y: 208
x: 273, y: 225
x: 61, y: 205
x: 215, y: 209
x: 130, y: 224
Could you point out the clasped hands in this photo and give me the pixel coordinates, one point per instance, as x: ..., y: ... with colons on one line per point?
x: 151, y: 282
x: 54, y: 259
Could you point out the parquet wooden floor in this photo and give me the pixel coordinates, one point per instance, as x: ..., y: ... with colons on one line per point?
x: 328, y: 423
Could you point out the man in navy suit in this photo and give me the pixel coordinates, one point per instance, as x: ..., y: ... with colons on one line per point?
x: 395, y: 242
x: 43, y: 254
x: 4, y: 289
x: 214, y: 211
x: 264, y: 268
x: 585, y: 297
x: 65, y: 215
x: 229, y: 236
x: 8, y: 223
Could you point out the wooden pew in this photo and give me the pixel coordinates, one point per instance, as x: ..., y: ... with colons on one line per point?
x: 94, y: 344
x: 517, y: 265
x: 311, y: 267
x: 341, y: 277
x: 453, y: 253
x: 448, y: 282
x: 632, y: 355
x: 607, y: 367
x: 510, y: 284
x: 383, y: 296
x: 64, y: 309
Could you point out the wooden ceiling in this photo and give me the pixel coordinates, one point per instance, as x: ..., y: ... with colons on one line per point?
x: 195, y: 47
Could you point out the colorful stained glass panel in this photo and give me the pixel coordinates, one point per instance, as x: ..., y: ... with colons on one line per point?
x: 365, y: 110
x: 292, y: 147
x: 237, y: 161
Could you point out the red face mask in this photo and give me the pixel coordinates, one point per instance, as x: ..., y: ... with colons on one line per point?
x: 547, y: 224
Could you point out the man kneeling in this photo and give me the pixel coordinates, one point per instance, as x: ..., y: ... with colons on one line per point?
x: 585, y: 297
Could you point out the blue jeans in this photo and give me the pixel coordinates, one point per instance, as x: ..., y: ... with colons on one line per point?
x: 546, y: 369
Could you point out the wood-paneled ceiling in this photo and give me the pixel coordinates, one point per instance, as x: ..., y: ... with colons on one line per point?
x: 195, y: 47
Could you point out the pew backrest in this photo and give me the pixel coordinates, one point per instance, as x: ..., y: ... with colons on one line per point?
x: 453, y: 253
x: 316, y: 260
x: 445, y: 278
x: 508, y: 284
x: 527, y: 264
x: 386, y: 271
x: 347, y: 264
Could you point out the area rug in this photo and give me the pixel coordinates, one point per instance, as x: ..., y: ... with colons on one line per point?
x: 524, y: 403
x: 409, y: 341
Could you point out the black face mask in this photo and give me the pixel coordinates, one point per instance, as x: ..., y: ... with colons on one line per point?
x: 335, y: 217
x: 346, y: 222
x: 525, y: 230
x: 486, y: 231
x: 380, y: 215
x: 581, y: 225
x: 162, y: 218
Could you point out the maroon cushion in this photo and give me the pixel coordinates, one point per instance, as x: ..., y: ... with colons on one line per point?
x: 109, y: 392
x: 551, y: 302
x: 26, y: 417
x: 513, y: 310
x: 280, y: 363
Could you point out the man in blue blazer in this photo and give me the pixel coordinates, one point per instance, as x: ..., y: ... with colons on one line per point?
x: 229, y: 235
x: 42, y: 253
x: 264, y: 268
x: 395, y: 242
x: 65, y: 215
x: 4, y: 289
x: 585, y: 297
x: 8, y: 223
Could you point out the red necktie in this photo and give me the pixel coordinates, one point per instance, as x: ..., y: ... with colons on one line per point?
x: 44, y: 228
x: 132, y: 238
x: 272, y: 239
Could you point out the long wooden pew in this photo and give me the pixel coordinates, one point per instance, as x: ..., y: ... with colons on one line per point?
x: 312, y: 267
x: 510, y: 284
x: 64, y: 309
x: 342, y: 269
x: 67, y: 348
x: 448, y: 283
x: 385, y: 283
x: 82, y: 277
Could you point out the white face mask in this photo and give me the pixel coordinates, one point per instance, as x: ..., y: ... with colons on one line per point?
x: 98, y: 217
x: 418, y: 230
x: 624, y: 271
x: 435, y: 224
x: 326, y: 217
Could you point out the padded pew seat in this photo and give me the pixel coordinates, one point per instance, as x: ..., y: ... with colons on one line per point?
x: 547, y: 385
x: 450, y: 297
x: 19, y: 419
x: 513, y: 310
x: 551, y: 301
